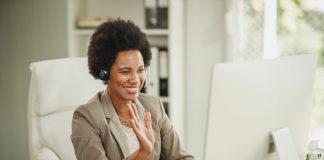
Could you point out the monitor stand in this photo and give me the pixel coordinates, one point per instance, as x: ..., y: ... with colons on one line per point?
x: 284, y: 145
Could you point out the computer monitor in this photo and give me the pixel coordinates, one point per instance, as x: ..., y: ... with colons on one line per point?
x: 248, y: 100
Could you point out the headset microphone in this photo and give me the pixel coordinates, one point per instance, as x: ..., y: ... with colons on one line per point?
x: 145, y: 82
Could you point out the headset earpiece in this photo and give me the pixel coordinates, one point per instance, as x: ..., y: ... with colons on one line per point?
x: 103, y: 75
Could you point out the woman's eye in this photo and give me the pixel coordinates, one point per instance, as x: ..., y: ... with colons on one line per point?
x: 140, y: 70
x: 124, y: 72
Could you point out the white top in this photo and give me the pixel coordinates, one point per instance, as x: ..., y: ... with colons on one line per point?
x: 131, y: 139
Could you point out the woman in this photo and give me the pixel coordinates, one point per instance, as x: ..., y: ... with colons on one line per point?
x: 120, y: 122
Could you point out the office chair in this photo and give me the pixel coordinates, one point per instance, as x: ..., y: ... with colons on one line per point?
x: 56, y: 88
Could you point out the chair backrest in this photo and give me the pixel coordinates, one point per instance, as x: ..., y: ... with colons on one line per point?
x: 57, y: 87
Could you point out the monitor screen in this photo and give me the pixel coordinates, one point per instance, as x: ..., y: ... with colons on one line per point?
x: 250, y: 99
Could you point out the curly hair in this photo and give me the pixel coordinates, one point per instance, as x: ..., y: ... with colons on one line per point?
x: 112, y: 37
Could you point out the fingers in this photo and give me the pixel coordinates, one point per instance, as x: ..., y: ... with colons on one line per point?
x: 137, y: 120
x: 148, y: 121
x: 143, y: 130
x: 133, y: 115
x: 138, y: 124
x: 136, y: 113
x: 135, y: 128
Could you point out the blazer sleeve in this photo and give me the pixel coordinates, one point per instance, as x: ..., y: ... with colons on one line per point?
x: 86, y: 138
x: 171, y: 148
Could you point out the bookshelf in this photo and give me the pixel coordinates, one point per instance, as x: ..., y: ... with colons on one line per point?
x: 170, y: 38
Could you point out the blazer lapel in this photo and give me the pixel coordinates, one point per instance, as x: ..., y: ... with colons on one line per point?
x: 140, y: 108
x: 114, y: 123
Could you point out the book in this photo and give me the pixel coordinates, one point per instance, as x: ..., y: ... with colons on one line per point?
x: 163, y: 63
x: 163, y: 71
x: 164, y: 87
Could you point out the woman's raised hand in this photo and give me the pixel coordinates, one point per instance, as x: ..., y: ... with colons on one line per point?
x: 143, y: 132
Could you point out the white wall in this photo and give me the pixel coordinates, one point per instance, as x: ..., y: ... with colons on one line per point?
x: 30, y: 30
x: 5, y: 90
x: 204, y: 46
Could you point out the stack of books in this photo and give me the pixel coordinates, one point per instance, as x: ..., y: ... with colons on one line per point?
x: 158, y: 73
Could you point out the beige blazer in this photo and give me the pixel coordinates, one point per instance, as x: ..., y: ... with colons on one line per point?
x: 97, y: 133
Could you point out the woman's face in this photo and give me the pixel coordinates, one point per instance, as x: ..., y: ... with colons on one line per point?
x: 127, y: 75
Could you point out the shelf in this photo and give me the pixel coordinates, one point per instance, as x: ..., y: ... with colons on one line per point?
x: 156, y: 32
x: 149, y: 32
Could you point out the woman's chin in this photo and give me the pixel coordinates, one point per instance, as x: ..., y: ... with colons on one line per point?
x: 132, y: 97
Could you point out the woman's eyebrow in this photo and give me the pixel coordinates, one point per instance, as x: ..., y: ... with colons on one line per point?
x: 142, y: 66
x: 129, y: 68
x: 124, y: 68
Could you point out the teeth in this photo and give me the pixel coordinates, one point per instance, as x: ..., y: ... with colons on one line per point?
x: 131, y: 89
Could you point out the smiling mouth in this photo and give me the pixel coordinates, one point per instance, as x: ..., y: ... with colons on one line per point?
x: 131, y: 89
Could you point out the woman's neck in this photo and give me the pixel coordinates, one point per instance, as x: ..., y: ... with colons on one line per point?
x: 121, y: 106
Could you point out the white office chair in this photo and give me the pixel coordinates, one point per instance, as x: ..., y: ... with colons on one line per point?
x: 57, y: 87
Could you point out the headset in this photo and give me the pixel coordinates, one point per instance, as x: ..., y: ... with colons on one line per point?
x: 103, y: 75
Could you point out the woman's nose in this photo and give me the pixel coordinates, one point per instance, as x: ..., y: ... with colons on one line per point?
x: 135, y: 78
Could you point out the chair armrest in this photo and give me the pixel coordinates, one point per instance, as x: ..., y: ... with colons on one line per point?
x: 47, y: 154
